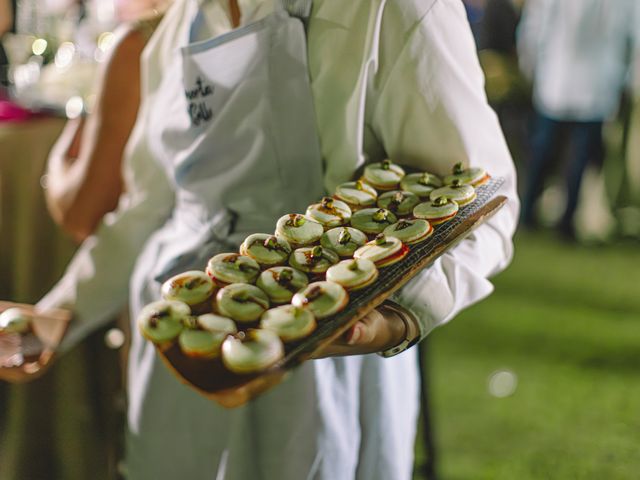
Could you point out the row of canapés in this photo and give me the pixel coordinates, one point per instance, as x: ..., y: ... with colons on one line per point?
x: 203, y: 311
x: 245, y: 306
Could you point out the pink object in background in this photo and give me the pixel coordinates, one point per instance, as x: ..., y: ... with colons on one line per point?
x: 10, y: 112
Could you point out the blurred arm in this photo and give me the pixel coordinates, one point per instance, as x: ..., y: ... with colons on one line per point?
x: 84, y: 170
x: 432, y: 112
x: 95, y: 285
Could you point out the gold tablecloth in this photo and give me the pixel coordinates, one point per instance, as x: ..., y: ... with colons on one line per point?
x: 65, y: 425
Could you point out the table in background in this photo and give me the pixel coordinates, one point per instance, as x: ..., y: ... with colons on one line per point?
x: 64, y: 425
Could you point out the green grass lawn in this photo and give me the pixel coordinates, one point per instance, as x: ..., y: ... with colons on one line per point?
x: 566, y: 320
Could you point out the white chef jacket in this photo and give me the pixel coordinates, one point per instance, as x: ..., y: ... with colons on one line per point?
x: 415, y: 92
x: 397, y: 79
x: 577, y: 53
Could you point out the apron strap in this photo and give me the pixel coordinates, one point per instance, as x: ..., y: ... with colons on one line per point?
x: 196, y: 25
x: 298, y: 8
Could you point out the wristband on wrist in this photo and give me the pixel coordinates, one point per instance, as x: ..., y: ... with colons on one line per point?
x: 413, y: 332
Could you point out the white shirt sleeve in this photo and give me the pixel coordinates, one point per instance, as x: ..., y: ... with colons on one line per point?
x: 431, y: 112
x: 96, y: 283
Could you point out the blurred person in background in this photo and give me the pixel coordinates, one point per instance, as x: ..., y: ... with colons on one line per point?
x: 498, y: 27
x: 475, y: 14
x: 509, y: 93
x: 576, y: 53
x: 84, y: 182
x: 84, y: 174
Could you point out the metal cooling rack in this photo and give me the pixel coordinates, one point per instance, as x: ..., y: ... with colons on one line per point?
x: 389, y: 277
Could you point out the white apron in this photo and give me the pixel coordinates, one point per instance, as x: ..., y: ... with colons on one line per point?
x: 234, y: 128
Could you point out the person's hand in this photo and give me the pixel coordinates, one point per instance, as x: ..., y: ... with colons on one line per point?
x: 22, y: 374
x: 24, y: 358
x: 381, y: 329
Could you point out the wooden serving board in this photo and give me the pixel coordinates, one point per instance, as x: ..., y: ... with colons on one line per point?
x: 32, y: 352
x: 213, y: 381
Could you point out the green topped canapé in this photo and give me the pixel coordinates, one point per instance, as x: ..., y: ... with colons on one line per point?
x: 313, y: 259
x: 298, y: 230
x: 372, y: 220
x: 343, y: 240
x: 420, y: 184
x: 384, y: 175
x: 473, y: 176
x: 201, y: 343
x: 252, y: 351
x: 437, y: 211
x: 357, y: 194
x: 379, y: 249
x: 242, y: 302
x: 330, y: 212
x: 192, y: 287
x: 226, y: 268
x: 266, y: 249
x: 461, y: 193
x: 322, y: 298
x: 162, y: 321
x: 410, y: 231
x: 353, y: 274
x: 280, y: 283
x: 289, y: 322
x: 399, y: 202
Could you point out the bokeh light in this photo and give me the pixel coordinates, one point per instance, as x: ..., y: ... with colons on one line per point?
x: 39, y: 46
x: 114, y: 338
x: 503, y: 383
x: 65, y: 54
x: 74, y: 107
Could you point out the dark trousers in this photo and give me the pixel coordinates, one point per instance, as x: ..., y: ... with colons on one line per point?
x: 585, y: 145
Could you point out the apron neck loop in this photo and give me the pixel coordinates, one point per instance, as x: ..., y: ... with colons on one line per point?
x: 196, y: 25
x: 298, y: 8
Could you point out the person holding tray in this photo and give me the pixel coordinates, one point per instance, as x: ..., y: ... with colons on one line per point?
x: 252, y: 109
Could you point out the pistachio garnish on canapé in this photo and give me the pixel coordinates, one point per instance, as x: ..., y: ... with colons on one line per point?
x: 317, y: 253
x: 381, y: 239
x: 458, y: 168
x: 247, y: 297
x: 427, y: 180
x: 296, y: 220
x: 440, y: 201
x: 380, y: 215
x: 245, y: 268
x: 360, y: 185
x: 402, y: 224
x: 344, y: 237
x: 386, y: 164
x: 271, y: 243
x: 353, y: 266
x: 313, y: 293
x: 396, y: 200
x: 285, y: 277
x: 327, y: 202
